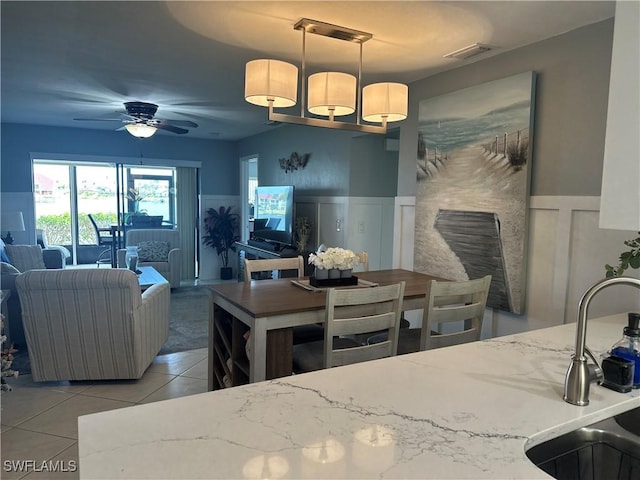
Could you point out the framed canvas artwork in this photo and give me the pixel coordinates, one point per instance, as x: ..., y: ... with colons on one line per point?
x: 473, y: 169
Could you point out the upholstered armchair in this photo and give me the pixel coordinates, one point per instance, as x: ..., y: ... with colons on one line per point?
x: 158, y: 248
x: 17, y: 259
x: 91, y: 324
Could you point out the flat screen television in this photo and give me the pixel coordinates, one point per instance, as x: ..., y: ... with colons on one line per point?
x: 274, y: 215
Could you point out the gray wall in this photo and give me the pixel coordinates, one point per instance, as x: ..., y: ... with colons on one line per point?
x: 570, y: 108
x: 341, y: 163
x: 373, y: 170
x: 327, y: 170
x: 220, y: 171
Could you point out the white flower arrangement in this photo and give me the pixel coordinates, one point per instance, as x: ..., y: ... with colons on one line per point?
x: 334, y: 257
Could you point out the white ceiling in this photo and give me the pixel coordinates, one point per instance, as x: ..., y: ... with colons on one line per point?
x: 69, y: 59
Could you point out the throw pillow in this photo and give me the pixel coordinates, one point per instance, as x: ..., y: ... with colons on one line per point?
x: 26, y: 257
x: 153, y: 251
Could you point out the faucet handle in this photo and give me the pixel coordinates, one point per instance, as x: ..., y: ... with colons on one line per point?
x: 595, y: 371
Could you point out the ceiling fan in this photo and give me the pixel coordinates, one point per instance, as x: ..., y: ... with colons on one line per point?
x: 139, y: 120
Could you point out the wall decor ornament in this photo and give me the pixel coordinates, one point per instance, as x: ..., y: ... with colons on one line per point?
x: 473, y: 175
x: 294, y: 162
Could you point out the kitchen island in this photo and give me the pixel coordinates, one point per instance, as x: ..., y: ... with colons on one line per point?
x: 468, y: 411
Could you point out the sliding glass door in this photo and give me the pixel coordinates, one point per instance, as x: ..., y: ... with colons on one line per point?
x: 65, y: 194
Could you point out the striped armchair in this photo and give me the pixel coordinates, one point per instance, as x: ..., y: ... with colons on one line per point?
x: 169, y: 267
x: 91, y: 324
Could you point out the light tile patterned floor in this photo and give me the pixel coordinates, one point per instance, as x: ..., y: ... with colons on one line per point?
x: 40, y: 420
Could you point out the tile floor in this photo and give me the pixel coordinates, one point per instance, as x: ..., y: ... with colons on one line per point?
x: 39, y: 420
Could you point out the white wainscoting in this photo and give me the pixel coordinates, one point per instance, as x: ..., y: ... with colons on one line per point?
x: 566, y: 254
x: 209, y: 260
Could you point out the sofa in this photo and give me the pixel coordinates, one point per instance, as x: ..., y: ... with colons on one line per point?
x: 91, y: 324
x: 15, y: 260
x: 158, y: 248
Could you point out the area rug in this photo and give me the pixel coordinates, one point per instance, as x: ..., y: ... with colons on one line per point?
x: 189, y: 322
x: 188, y: 325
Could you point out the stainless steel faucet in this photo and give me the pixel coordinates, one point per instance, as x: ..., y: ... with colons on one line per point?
x: 580, y: 374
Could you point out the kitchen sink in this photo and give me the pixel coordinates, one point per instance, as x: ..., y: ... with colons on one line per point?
x: 630, y: 420
x: 608, y: 449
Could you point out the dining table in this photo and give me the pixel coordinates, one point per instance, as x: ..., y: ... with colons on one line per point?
x: 270, y: 309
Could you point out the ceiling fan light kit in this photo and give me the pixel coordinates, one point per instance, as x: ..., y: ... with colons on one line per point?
x: 140, y: 130
x: 274, y: 84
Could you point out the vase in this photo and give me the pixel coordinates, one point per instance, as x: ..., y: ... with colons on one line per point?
x: 321, y: 273
x: 131, y: 258
x: 302, y: 243
x: 334, y: 273
x: 346, y: 273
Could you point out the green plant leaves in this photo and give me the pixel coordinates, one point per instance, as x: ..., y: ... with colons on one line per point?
x: 630, y: 259
x: 222, y: 231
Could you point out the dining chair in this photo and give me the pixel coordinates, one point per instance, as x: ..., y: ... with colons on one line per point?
x: 103, y: 240
x: 363, y: 261
x: 352, y: 312
x: 302, y: 333
x: 363, y: 266
x: 447, y: 302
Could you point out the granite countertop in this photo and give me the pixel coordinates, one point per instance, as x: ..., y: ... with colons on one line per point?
x: 460, y: 412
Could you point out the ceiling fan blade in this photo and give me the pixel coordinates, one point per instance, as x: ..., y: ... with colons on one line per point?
x: 171, y: 128
x: 180, y: 123
x: 99, y: 119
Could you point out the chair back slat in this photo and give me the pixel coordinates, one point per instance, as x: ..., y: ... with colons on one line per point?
x: 456, y: 313
x: 363, y: 353
x: 358, y: 325
x: 270, y: 264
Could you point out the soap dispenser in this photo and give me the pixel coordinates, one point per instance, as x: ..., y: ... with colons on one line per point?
x: 629, y: 346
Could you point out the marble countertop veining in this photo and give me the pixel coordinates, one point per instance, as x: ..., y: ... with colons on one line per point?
x: 459, y: 412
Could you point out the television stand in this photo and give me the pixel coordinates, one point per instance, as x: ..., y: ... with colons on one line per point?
x: 263, y: 245
x: 253, y: 249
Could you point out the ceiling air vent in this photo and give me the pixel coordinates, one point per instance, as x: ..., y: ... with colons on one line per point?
x: 469, y: 51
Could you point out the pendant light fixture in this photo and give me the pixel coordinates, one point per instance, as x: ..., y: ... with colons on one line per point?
x: 274, y: 84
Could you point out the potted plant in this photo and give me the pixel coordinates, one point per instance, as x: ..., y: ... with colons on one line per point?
x: 222, y: 232
x: 134, y: 198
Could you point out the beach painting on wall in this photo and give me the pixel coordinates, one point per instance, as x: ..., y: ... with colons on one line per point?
x: 473, y: 169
